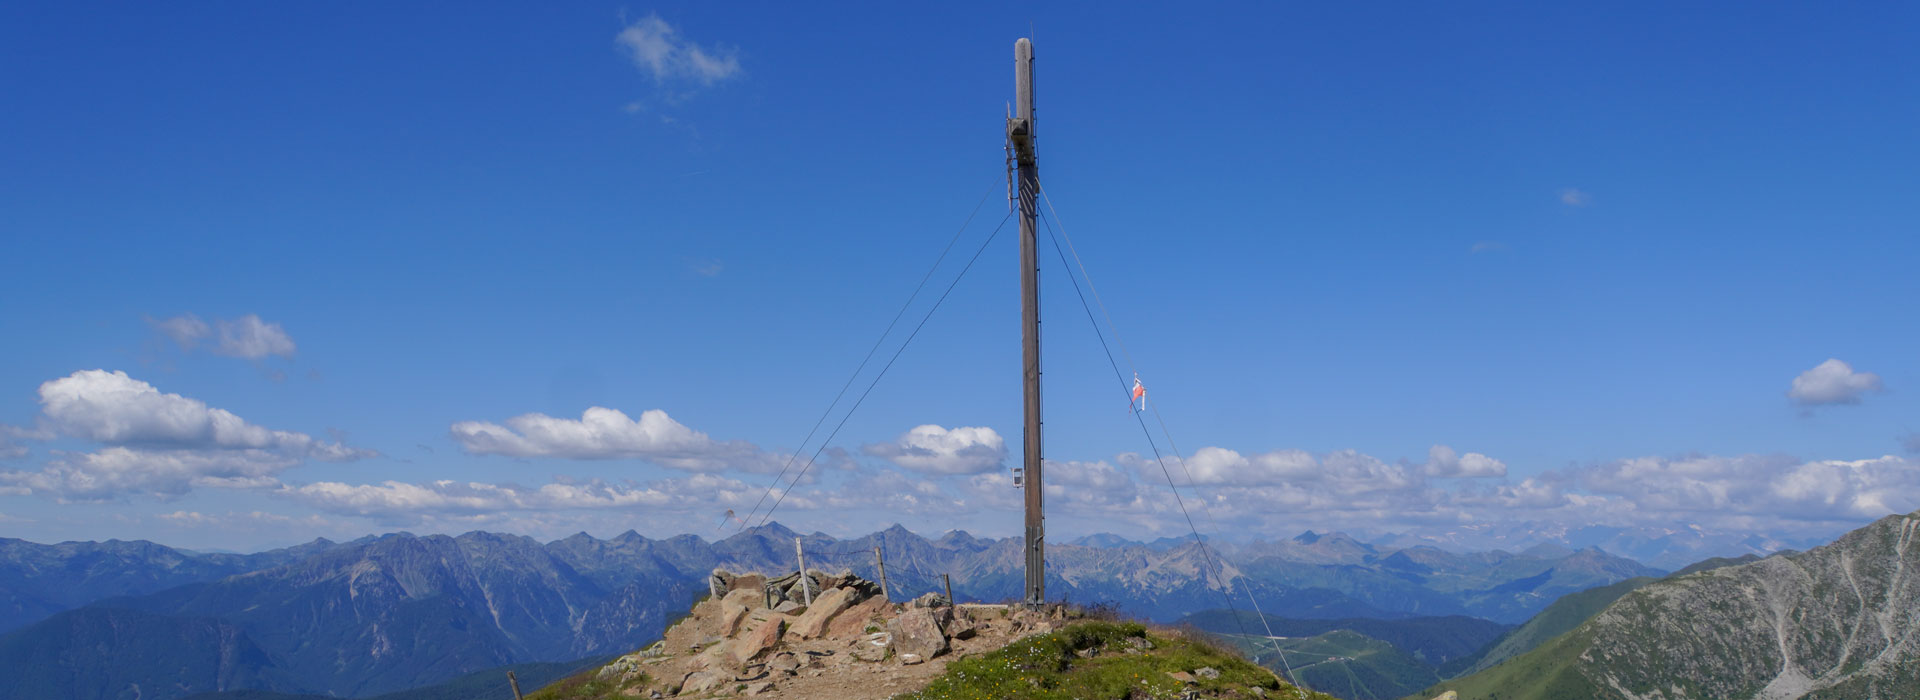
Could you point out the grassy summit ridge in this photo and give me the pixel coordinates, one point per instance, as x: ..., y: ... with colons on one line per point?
x: 1106, y: 661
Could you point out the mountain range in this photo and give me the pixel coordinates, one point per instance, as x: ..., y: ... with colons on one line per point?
x: 396, y: 611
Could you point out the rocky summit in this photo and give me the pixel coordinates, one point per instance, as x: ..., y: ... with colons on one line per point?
x: 837, y: 637
x: 759, y: 636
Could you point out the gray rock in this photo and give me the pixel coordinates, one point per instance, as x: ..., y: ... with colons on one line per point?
x: 917, y: 631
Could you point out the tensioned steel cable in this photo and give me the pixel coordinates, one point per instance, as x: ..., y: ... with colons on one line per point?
x: 1205, y: 554
x: 877, y: 342
x: 889, y: 365
x: 1218, y: 575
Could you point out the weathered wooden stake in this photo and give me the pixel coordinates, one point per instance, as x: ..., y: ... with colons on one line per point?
x: 880, y: 557
x: 515, y: 682
x: 805, y: 589
x: 948, y: 579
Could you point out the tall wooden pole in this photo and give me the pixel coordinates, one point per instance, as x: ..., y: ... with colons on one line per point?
x: 515, y: 682
x: 1020, y: 128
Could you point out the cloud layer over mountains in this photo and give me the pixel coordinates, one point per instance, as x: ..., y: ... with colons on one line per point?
x: 141, y: 442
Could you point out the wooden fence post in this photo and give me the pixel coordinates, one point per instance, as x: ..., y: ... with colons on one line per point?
x: 805, y: 588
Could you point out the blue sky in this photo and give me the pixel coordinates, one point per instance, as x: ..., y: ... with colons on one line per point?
x: 1593, y: 246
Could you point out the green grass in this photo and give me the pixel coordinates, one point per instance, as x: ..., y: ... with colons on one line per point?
x: 1046, y: 667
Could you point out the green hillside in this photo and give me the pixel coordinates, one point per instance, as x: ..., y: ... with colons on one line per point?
x: 1546, y: 673
x: 1559, y: 618
x: 1431, y: 640
x: 1564, y: 615
x: 1342, y: 663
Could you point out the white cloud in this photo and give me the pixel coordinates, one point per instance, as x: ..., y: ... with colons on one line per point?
x: 393, y: 499
x: 1832, y: 382
x: 186, y: 331
x: 253, y: 339
x: 9, y: 449
x: 659, y: 49
x: 1443, y: 462
x: 246, y: 337
x: 1346, y: 470
x: 156, y: 443
x: 605, y: 433
x: 116, y: 409
x: 1575, y: 198
x: 115, y: 472
x: 1758, y: 486
x: 937, y: 450
x: 1488, y: 247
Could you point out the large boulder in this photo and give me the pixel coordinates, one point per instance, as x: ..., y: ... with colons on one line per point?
x: 917, y: 631
x: 759, y: 639
x: 825, y: 607
x: 731, y: 615
x: 853, y: 622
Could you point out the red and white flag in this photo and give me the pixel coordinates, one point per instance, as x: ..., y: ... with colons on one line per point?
x: 1139, y: 395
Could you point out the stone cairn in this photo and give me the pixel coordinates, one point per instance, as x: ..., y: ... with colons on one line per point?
x: 752, y: 633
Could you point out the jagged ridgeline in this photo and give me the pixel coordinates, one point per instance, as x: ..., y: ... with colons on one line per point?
x: 1837, y: 622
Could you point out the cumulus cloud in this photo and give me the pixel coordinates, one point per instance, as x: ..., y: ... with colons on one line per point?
x: 1832, y: 382
x: 1218, y: 465
x: 1443, y: 462
x: 246, y: 337
x: 1345, y: 470
x: 658, y: 49
x: 937, y: 450
x: 605, y: 433
x: 156, y: 443
x: 1759, y: 485
x: 114, y: 408
x: 115, y: 472
x: 391, y: 500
